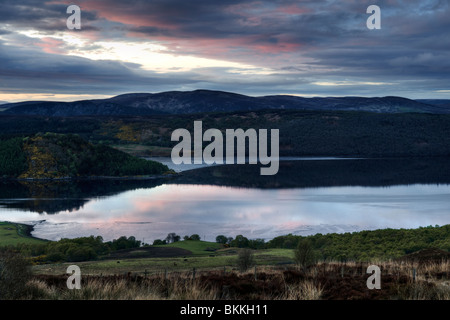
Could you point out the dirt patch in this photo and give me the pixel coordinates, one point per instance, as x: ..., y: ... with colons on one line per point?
x: 426, y: 256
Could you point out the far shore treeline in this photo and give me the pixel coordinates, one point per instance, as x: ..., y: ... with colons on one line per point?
x: 380, y: 244
x: 302, y: 132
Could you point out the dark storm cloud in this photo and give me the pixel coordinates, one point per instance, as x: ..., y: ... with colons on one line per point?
x: 302, y: 42
x: 39, y: 15
x: 236, y: 28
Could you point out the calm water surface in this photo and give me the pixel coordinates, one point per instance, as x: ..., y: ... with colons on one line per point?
x: 150, y: 213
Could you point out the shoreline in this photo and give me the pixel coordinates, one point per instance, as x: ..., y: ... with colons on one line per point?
x: 24, y: 230
x: 92, y: 178
x: 29, y: 228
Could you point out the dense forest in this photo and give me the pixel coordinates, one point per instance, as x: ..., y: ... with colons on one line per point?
x: 53, y: 155
x: 380, y: 244
x: 302, y: 133
x: 13, y: 160
x: 365, y: 245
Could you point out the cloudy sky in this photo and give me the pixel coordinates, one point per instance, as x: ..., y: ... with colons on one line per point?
x: 298, y: 47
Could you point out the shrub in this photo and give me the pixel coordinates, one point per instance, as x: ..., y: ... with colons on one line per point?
x: 245, y: 259
x: 14, y: 275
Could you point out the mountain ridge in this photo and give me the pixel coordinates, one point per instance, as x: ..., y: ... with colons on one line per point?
x: 201, y: 101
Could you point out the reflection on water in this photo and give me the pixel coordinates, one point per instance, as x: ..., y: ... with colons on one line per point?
x: 306, y: 197
x: 183, y: 167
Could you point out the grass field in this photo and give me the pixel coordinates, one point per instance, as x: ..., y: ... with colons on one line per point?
x: 196, y: 247
x: 14, y: 233
x: 204, y: 256
x: 207, y: 270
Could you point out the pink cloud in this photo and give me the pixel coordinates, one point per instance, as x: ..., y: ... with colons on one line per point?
x: 137, y: 14
x: 180, y: 33
x: 293, y: 9
x: 51, y: 45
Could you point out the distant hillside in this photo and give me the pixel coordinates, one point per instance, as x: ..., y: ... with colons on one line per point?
x: 77, y: 108
x: 202, y: 101
x: 54, y: 156
x: 302, y: 133
x: 443, y: 104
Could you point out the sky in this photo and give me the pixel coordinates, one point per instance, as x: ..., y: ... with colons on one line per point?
x: 296, y: 47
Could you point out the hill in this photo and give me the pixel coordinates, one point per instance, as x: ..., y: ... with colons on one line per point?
x: 56, y: 156
x: 440, y: 103
x: 77, y: 108
x: 380, y: 244
x: 428, y: 255
x: 200, y: 101
x: 302, y: 133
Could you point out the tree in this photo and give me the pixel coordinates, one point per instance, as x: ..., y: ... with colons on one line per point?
x: 304, y: 254
x: 221, y: 239
x: 195, y: 237
x: 159, y: 242
x: 240, y: 241
x: 172, y: 237
x: 256, y: 243
x: 125, y: 243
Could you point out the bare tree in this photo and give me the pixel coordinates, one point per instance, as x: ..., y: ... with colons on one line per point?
x: 245, y: 259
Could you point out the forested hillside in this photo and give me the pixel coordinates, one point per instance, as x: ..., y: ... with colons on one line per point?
x: 302, y: 133
x: 365, y: 245
x: 50, y: 156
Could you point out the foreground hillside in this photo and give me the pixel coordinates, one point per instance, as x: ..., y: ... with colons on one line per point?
x: 55, y: 156
x: 362, y: 246
x: 324, y: 281
x: 199, y: 270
